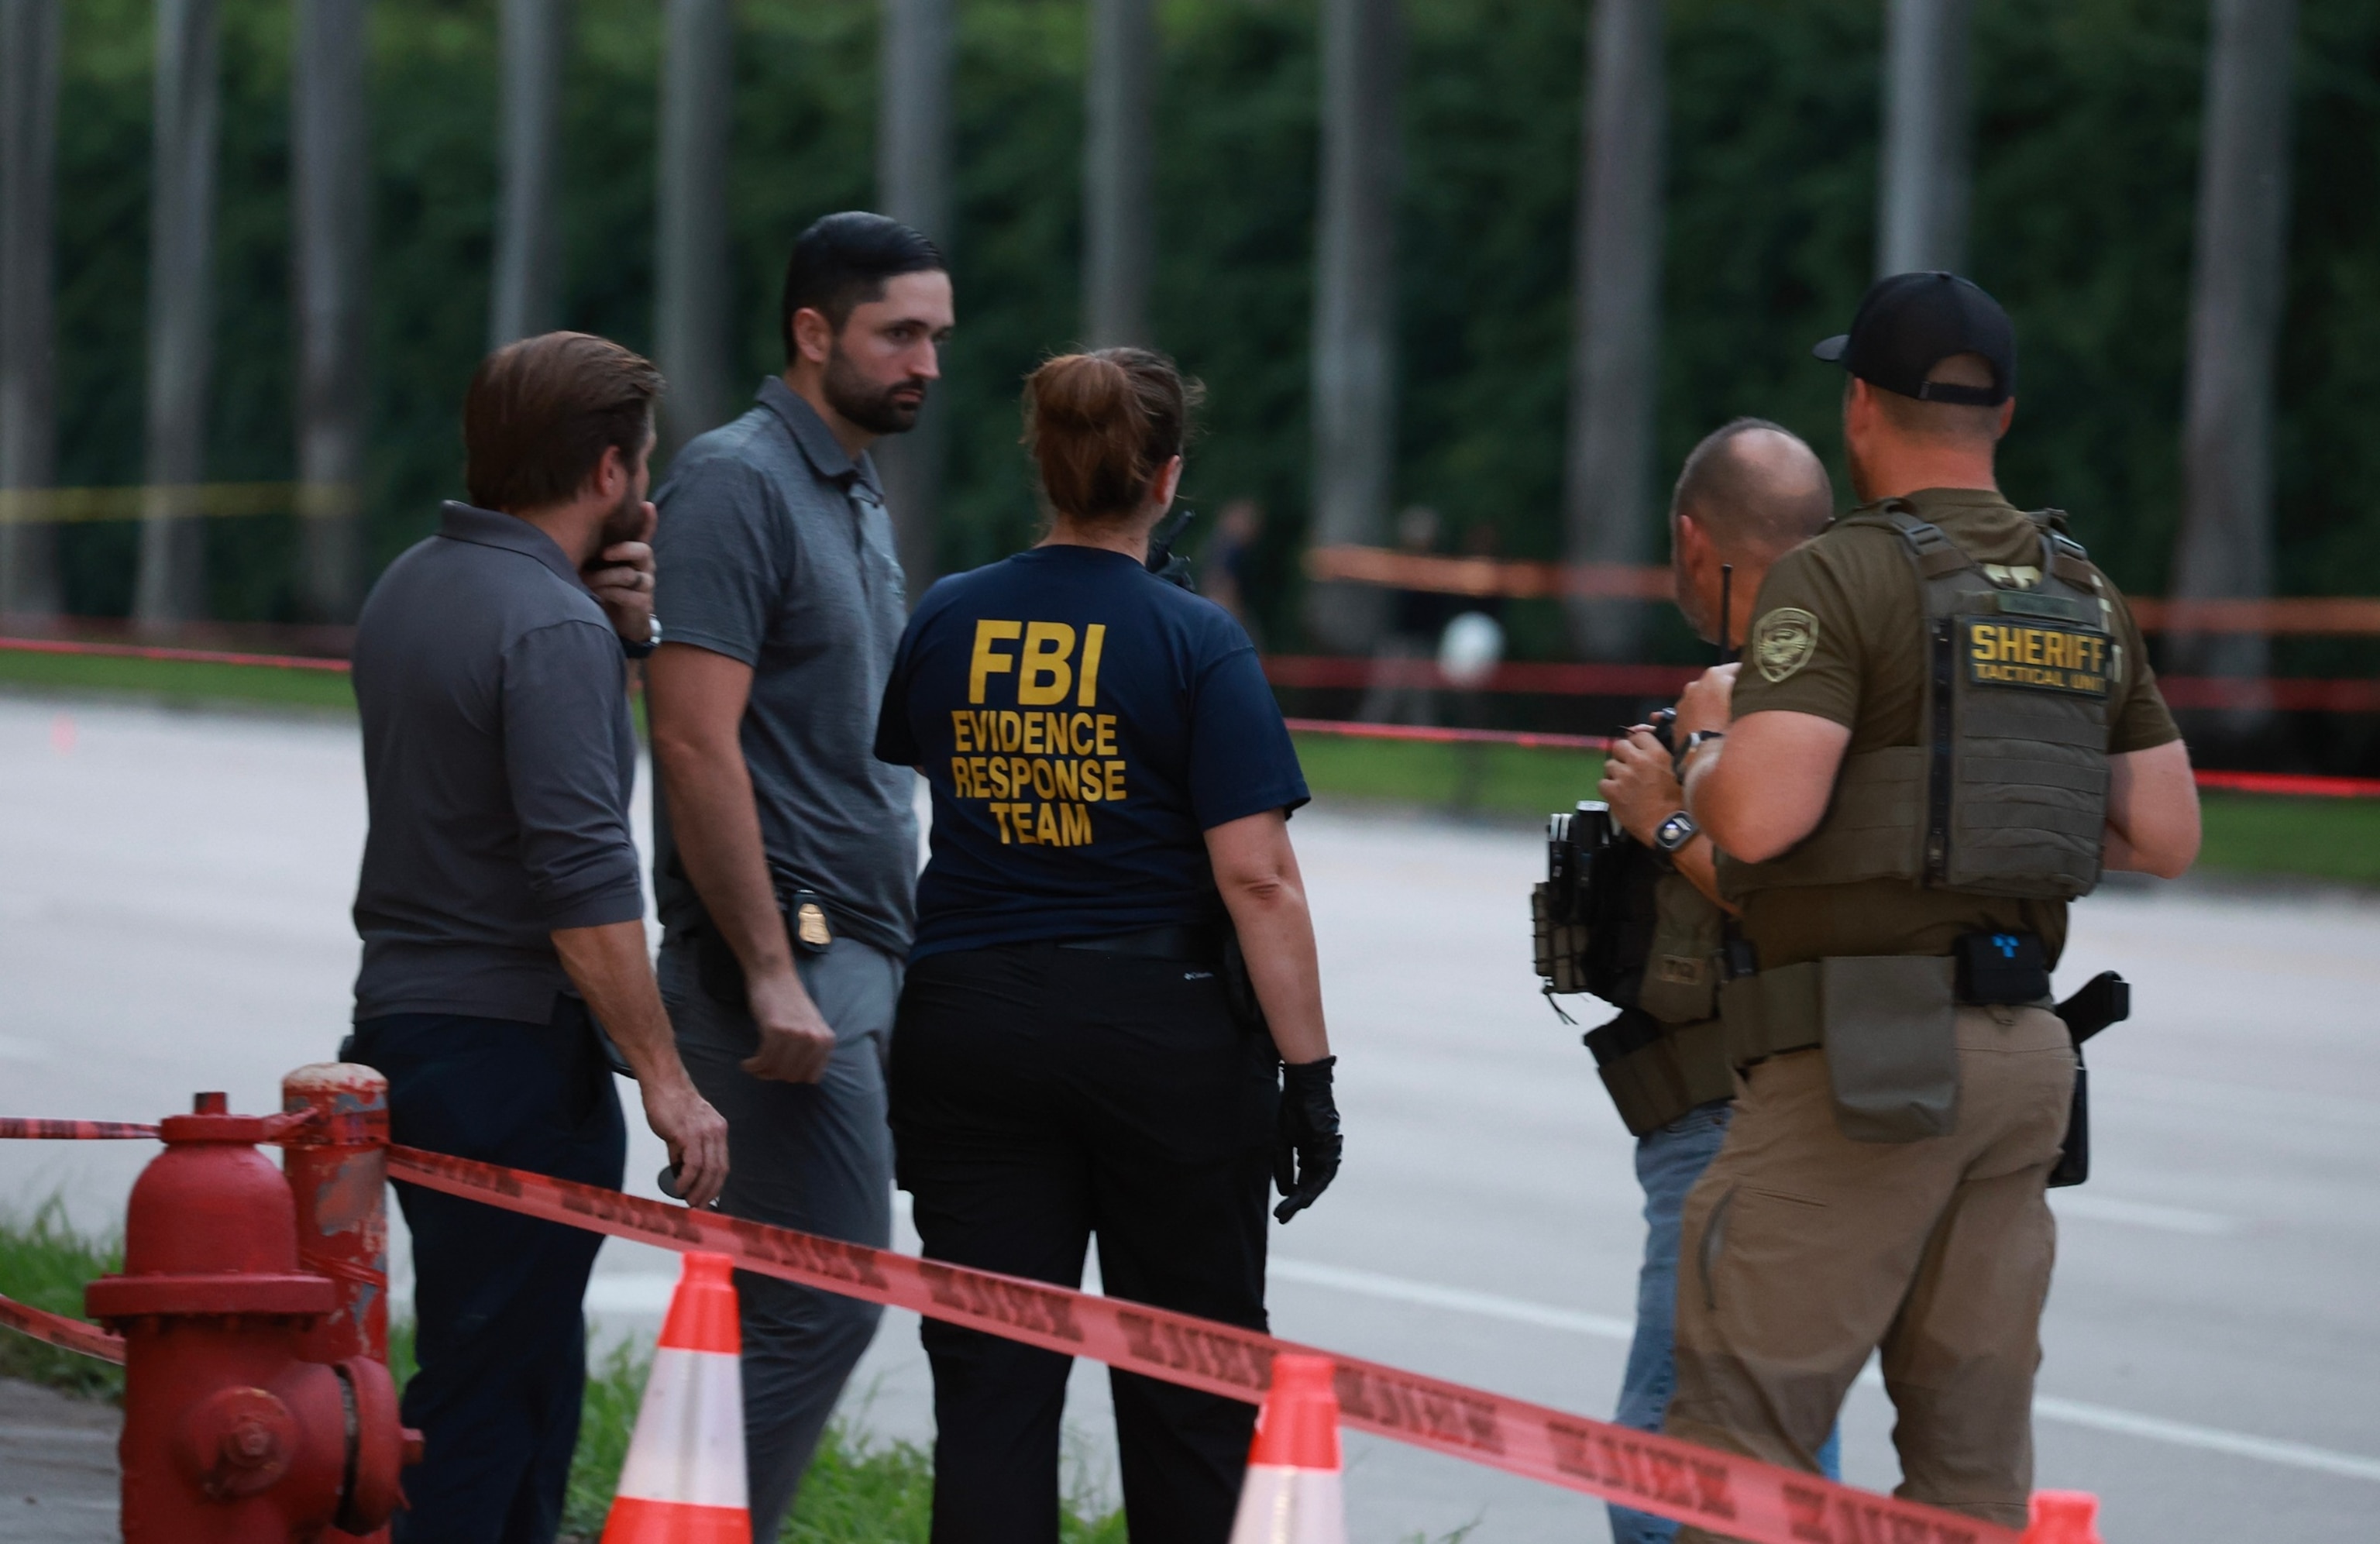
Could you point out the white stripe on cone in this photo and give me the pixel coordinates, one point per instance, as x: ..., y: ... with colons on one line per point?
x: 1281, y: 1506
x: 688, y: 1446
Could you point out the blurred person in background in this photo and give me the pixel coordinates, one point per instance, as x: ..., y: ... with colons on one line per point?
x: 1229, y: 562
x: 502, y: 918
x: 1112, y: 1027
x: 786, y: 855
x: 1416, y: 618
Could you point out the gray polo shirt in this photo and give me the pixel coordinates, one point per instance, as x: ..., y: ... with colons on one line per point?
x: 774, y: 549
x: 498, y: 761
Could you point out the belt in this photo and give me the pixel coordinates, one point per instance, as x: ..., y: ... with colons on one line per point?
x: 1184, y: 944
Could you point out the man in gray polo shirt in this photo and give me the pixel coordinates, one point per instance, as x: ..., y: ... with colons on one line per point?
x: 501, y: 914
x: 787, y: 854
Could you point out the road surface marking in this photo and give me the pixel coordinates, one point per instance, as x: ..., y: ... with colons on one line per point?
x: 2099, y: 1417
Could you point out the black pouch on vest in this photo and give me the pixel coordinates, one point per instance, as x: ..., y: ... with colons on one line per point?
x: 1654, y: 1073
x: 1892, y: 1049
x: 2007, y: 968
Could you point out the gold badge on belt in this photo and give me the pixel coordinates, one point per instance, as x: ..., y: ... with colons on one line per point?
x: 810, y: 930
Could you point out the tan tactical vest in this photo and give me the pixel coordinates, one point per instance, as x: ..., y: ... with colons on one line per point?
x: 2006, y: 791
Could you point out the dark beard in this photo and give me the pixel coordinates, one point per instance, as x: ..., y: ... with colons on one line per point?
x: 872, y: 408
x: 627, y: 521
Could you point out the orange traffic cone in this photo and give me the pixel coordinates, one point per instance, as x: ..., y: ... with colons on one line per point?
x: 2063, y: 1517
x: 684, y: 1479
x: 1292, y: 1494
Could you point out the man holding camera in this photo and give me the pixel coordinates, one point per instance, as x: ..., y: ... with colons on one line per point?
x: 1946, y: 731
x: 1748, y: 494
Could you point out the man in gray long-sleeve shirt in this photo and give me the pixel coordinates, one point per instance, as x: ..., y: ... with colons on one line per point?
x: 501, y: 913
x: 787, y: 854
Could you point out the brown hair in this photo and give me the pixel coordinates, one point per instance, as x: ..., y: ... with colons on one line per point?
x: 1101, y: 425
x: 540, y: 413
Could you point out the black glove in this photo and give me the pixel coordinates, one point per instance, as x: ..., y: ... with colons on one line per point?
x: 1306, y: 1142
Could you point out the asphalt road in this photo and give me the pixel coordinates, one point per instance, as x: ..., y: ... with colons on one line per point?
x: 173, y: 895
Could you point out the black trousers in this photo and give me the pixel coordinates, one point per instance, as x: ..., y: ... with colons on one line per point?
x: 501, y: 1337
x: 1041, y: 1096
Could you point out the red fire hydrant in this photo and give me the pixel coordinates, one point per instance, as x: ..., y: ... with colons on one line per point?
x: 231, y: 1435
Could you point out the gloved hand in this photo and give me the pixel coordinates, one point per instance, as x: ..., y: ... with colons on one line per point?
x: 1305, y: 1143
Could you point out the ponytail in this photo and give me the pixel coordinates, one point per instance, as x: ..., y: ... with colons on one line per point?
x: 1100, y: 426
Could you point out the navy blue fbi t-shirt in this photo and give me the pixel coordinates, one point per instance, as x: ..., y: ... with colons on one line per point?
x: 1083, y: 723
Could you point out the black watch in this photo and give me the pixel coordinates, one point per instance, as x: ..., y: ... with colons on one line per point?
x: 652, y: 640
x: 1675, y: 832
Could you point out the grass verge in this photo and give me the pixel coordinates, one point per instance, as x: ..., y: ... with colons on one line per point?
x: 179, y: 681
x: 860, y: 1489
x: 2330, y: 839
x: 44, y: 1262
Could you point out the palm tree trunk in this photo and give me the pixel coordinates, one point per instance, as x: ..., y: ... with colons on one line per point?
x: 1354, y: 307
x: 173, y: 579
x: 333, y: 178
x: 1615, y: 368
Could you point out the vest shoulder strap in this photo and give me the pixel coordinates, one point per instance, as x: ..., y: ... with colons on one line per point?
x: 1934, y: 554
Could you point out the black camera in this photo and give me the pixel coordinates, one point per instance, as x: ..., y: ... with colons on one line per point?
x: 1573, y: 843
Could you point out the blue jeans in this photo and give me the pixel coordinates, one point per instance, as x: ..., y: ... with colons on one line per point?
x: 1668, y: 1161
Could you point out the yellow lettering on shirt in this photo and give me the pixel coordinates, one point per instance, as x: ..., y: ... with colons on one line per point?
x: 1045, y: 675
x: 1104, y: 741
x: 962, y: 723
x: 1068, y: 778
x: 1000, y: 814
x: 1033, y: 745
x: 1115, y: 779
x: 1079, y: 734
x: 1045, y: 829
x: 1011, y: 730
x: 1074, y: 825
x: 1093, y: 789
x: 989, y: 662
x: 1095, y: 638
x: 1044, y: 781
x: 1000, y: 777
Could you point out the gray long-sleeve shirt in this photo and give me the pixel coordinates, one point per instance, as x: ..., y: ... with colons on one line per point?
x: 498, y: 761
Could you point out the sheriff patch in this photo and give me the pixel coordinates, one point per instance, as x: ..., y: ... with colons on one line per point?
x: 2043, y: 657
x: 1783, y: 641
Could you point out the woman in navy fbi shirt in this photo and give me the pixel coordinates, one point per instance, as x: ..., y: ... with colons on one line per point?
x: 1112, y: 786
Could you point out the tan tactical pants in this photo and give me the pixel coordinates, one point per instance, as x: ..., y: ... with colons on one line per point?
x: 1804, y: 1251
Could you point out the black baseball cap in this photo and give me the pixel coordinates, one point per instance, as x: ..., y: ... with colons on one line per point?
x: 1909, y: 322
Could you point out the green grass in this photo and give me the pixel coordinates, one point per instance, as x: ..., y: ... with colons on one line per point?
x: 1492, y: 779
x: 2316, y: 838
x: 177, y: 680
x: 44, y: 1262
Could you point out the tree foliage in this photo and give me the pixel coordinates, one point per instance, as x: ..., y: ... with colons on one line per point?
x: 2086, y: 171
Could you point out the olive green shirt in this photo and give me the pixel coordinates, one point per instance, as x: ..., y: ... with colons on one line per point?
x: 1845, y: 623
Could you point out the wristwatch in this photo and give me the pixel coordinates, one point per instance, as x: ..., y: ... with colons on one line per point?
x: 652, y: 640
x: 1675, y: 832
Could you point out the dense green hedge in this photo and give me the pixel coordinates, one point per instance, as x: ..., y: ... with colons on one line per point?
x: 2087, y: 166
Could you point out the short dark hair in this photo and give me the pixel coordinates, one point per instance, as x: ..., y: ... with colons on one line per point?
x: 1100, y: 426
x: 541, y: 412
x: 841, y: 263
x: 1741, y: 505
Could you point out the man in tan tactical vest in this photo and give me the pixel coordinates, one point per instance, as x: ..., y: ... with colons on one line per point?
x: 1943, y: 729
x: 1748, y: 494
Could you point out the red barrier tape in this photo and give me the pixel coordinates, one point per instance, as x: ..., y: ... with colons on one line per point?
x: 1739, y: 1497
x: 73, y: 1131
x: 187, y: 656
x: 72, y: 1334
x: 1434, y: 736
x: 2292, y: 782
